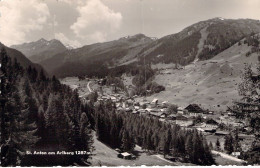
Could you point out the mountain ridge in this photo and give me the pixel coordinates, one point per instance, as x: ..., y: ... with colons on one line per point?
x: 25, y: 62
x: 200, y: 41
x: 41, y: 49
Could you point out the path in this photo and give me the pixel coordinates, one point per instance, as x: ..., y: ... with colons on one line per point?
x: 160, y: 157
x: 90, y: 90
x: 226, y: 156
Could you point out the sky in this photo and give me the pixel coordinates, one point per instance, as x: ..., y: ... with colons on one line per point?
x: 83, y: 22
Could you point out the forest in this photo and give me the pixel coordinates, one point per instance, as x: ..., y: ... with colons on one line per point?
x: 40, y: 114
x: 123, y: 130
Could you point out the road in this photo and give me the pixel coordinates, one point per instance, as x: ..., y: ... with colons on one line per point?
x: 226, y: 156
x: 90, y: 90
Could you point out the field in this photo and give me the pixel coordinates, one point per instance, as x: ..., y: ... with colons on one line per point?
x: 81, y: 85
x: 211, y: 83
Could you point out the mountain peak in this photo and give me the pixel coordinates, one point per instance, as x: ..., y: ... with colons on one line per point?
x: 42, y: 40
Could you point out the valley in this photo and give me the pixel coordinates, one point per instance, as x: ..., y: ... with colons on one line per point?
x: 189, y: 98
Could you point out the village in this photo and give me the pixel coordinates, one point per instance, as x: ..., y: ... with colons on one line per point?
x: 213, y: 125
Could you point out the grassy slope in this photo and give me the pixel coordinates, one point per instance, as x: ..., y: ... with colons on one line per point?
x: 209, y: 83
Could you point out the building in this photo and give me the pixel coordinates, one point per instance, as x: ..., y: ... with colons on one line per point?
x: 194, y: 110
x: 180, y: 110
x: 172, y: 117
x: 125, y: 155
x: 236, y: 154
x: 183, y: 121
x: 221, y: 133
x: 155, y: 101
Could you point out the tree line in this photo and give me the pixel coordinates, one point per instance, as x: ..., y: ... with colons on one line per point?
x: 40, y: 114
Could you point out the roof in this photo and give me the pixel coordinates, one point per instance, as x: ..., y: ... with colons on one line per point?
x: 222, y: 132
x: 126, y: 154
x: 194, y: 108
x: 156, y: 113
x: 155, y: 100
x: 181, y: 117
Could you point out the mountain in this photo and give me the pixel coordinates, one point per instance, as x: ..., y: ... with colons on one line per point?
x: 96, y: 57
x: 200, y: 41
x: 211, y: 83
x: 25, y: 62
x: 40, y: 50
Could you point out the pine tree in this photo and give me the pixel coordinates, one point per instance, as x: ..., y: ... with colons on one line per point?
x: 189, y: 146
x: 127, y: 142
x: 249, y: 106
x: 86, y: 133
x: 228, y: 145
x: 217, y: 144
x: 166, y: 143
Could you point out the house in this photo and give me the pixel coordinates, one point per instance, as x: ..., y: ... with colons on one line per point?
x: 142, y: 111
x: 172, y: 117
x: 163, y: 115
x: 180, y: 110
x: 245, y: 136
x: 181, y: 118
x: 236, y: 154
x: 155, y: 101
x: 135, y: 112
x: 210, y: 130
x: 221, y: 133
x: 194, y: 110
x: 183, y: 121
x: 200, y: 129
x: 125, y: 155
x: 155, y: 114
x: 211, y: 112
x: 165, y: 104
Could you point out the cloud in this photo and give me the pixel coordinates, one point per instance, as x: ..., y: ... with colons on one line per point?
x: 19, y: 18
x: 65, y: 40
x: 95, y: 21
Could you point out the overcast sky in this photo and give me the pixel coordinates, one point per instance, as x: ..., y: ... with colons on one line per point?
x: 81, y: 22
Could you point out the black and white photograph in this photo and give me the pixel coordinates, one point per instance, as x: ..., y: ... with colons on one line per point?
x: 129, y: 83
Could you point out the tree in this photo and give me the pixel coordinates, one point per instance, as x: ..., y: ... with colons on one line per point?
x: 127, y: 142
x: 166, y: 143
x: 248, y: 107
x: 85, y: 134
x: 188, y: 146
x: 218, y: 144
x: 210, y: 145
x: 228, y: 145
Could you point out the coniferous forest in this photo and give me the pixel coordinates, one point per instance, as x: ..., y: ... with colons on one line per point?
x: 39, y: 115
x: 123, y: 130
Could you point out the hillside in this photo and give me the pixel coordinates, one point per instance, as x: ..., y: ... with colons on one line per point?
x: 40, y: 50
x: 200, y: 41
x: 25, y: 62
x: 97, y: 56
x: 212, y: 83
